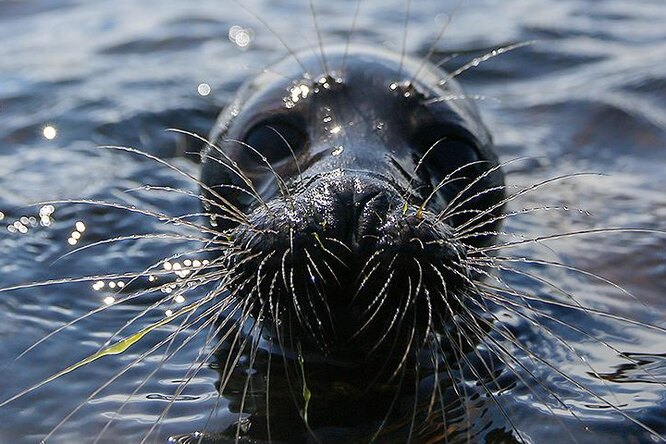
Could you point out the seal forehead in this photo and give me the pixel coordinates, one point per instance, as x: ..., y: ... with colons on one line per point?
x: 368, y: 84
x: 300, y: 77
x: 304, y: 88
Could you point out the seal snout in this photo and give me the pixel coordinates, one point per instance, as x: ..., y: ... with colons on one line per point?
x: 350, y: 260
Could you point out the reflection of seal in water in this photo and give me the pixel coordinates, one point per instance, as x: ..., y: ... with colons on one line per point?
x: 345, y: 182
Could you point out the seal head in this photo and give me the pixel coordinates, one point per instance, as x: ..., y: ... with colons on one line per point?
x: 344, y: 182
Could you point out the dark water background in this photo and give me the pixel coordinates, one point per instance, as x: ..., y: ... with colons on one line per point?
x: 590, y: 95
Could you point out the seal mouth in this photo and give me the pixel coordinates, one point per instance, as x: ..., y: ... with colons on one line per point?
x: 347, y: 264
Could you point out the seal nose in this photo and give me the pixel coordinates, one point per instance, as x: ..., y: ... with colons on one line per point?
x: 349, y: 259
x: 359, y: 204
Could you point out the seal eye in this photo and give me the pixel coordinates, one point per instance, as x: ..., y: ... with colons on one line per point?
x: 448, y: 151
x: 274, y: 140
x: 451, y: 160
x: 456, y: 153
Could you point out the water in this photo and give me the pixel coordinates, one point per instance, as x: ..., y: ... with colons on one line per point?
x: 588, y: 96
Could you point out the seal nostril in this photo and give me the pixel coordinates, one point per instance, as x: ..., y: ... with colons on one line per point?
x: 360, y: 205
x: 367, y: 215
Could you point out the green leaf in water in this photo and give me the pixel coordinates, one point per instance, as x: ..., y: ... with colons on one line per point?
x: 113, y: 349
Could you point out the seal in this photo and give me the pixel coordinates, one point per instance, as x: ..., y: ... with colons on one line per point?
x: 350, y: 185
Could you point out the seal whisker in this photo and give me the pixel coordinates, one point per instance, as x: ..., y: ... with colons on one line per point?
x: 320, y: 40
x: 377, y: 300
x: 458, y: 346
x: 282, y: 185
x: 588, y: 310
x: 390, y: 408
x: 302, y: 319
x: 283, y: 268
x: 482, y: 234
x: 412, y: 422
x: 291, y: 151
x: 364, y: 280
x: 438, y: 39
x: 330, y: 269
x: 352, y: 29
x: 576, y: 383
x: 228, y: 163
x: 270, y: 29
x: 461, y: 233
x: 200, y: 197
x: 556, y: 264
x: 408, y: 348
x: 405, y: 32
x: 313, y: 266
x: 487, y: 56
x: 144, y: 236
x: 318, y: 286
x: 429, y: 318
x: 161, y: 217
x: 397, y: 316
x: 514, y: 196
x: 323, y: 301
x: 462, y: 397
x: 339, y: 242
x: 567, y: 234
x: 446, y: 59
x: 268, y: 387
x: 401, y: 310
x: 227, y: 207
x: 437, y: 396
x: 238, y: 189
x: 194, y: 370
x: 400, y: 316
x: 452, y: 98
x: 503, y: 354
x: 209, y: 317
x: 473, y: 212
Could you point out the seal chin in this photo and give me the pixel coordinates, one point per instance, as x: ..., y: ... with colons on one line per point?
x: 348, y: 264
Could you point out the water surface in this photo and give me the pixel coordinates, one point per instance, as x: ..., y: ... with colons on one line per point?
x: 588, y: 96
